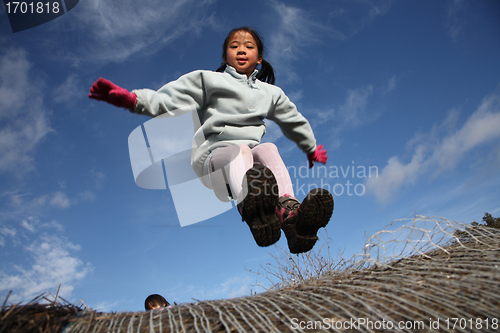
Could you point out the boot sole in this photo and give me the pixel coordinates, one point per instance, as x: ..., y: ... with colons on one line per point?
x: 260, y: 205
x: 314, y: 213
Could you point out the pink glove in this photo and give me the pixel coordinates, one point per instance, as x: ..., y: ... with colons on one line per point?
x: 319, y: 155
x: 104, y: 90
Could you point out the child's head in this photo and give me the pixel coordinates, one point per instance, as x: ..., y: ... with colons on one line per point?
x: 155, y: 301
x: 242, y: 52
x: 249, y: 38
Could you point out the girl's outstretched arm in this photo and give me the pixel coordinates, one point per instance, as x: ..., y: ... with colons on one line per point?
x: 175, y: 98
x: 104, y: 90
x: 296, y: 127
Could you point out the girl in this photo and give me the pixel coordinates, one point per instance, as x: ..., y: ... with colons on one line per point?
x: 231, y: 104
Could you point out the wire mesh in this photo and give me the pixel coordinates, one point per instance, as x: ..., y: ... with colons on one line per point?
x: 417, y: 275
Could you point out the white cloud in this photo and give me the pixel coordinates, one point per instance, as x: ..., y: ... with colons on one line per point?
x: 57, y: 199
x: 24, y: 121
x: 60, y: 199
x: 297, y: 27
x: 87, y: 195
x: 116, y: 29
x: 99, y: 178
x: 70, y: 91
x: 232, y: 287
x: 357, y: 14
x: 235, y: 287
x: 393, y: 176
x: 351, y: 113
x: 391, y: 85
x: 295, y: 30
x: 22, y: 205
x: 14, y: 81
x: 52, y: 264
x: 480, y: 128
x: 53, y: 225
x: 29, y: 224
x: 435, y: 155
x: 6, y: 231
x: 106, y: 306
x: 453, y: 24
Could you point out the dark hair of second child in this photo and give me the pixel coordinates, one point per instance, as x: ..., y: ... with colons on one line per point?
x: 155, y: 301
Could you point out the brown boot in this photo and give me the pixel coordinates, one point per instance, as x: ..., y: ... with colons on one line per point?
x: 301, y: 221
x: 258, y: 208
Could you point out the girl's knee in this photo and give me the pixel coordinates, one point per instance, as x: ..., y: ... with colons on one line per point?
x: 244, y: 149
x: 245, y: 153
x: 268, y: 147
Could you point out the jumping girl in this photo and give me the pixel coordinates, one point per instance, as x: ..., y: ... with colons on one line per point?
x: 231, y: 104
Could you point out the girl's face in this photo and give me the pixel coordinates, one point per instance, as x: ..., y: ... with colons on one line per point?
x: 242, y: 53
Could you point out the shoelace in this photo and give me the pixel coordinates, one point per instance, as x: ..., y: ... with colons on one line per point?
x: 289, y: 204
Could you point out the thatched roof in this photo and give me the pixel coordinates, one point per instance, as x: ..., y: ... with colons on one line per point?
x: 41, y: 315
x: 418, y: 293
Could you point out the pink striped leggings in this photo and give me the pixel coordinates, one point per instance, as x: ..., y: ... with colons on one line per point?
x: 235, y: 161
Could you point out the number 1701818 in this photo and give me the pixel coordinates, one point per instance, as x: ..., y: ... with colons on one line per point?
x: 15, y: 7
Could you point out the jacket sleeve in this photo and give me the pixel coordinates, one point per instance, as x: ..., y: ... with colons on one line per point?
x: 292, y: 123
x: 175, y: 98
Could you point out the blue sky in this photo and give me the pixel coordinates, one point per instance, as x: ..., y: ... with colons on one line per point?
x: 407, y: 88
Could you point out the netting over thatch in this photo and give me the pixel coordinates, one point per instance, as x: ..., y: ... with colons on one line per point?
x: 417, y: 275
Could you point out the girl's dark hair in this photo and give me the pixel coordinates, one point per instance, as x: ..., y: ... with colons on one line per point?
x: 155, y: 299
x: 266, y: 72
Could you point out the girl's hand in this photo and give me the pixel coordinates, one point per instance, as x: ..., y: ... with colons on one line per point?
x: 104, y: 90
x: 319, y: 155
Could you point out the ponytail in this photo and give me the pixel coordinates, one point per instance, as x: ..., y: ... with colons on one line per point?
x: 222, y: 67
x: 266, y: 73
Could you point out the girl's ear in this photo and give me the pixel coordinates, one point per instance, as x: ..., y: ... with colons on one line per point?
x: 260, y: 60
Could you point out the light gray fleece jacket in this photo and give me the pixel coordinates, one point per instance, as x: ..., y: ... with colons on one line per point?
x: 230, y: 108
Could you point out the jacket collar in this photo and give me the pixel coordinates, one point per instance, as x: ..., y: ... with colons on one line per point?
x: 231, y: 70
